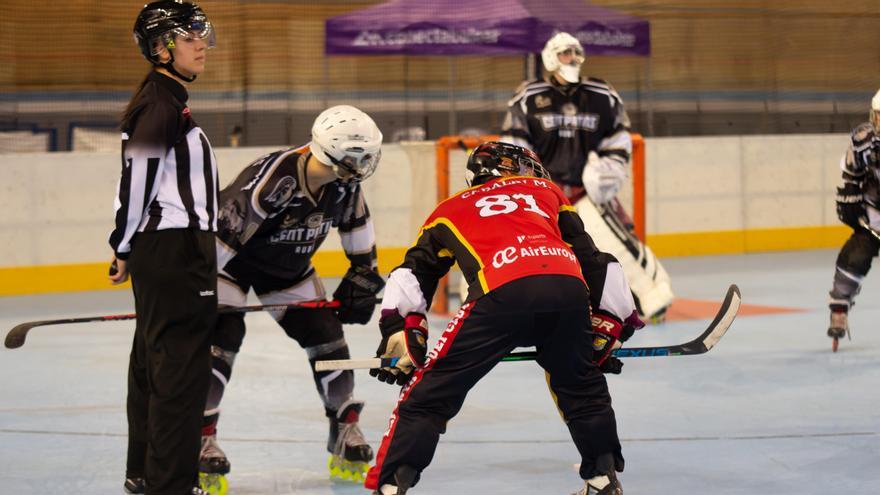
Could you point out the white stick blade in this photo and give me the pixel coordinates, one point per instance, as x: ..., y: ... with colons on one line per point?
x: 348, y: 364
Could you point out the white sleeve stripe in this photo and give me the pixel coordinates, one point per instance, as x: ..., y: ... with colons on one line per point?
x: 360, y: 240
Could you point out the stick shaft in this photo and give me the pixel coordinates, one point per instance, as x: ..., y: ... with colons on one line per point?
x: 16, y: 337
x: 702, y: 344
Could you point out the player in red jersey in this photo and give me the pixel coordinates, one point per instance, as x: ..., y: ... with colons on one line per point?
x: 534, y: 276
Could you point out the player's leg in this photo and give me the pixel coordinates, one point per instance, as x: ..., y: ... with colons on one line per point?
x: 853, y: 264
x: 647, y: 278
x: 319, y: 333
x: 228, y: 336
x: 562, y: 335
x: 476, y: 339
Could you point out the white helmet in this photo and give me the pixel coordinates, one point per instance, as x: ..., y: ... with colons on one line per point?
x: 875, y: 111
x: 559, y: 43
x: 346, y: 138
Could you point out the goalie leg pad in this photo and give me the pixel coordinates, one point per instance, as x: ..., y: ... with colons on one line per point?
x: 647, y: 278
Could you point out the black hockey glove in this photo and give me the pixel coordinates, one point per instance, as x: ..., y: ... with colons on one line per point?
x: 612, y: 366
x: 865, y: 146
x: 357, y: 294
x: 405, y: 339
x: 850, y: 204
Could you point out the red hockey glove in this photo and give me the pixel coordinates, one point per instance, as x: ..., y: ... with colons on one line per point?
x: 403, y: 338
x: 606, y: 333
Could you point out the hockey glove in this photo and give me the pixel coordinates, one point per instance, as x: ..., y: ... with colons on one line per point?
x: 850, y: 204
x: 403, y: 338
x: 357, y: 294
x: 864, y: 147
x: 607, y: 330
x: 611, y: 364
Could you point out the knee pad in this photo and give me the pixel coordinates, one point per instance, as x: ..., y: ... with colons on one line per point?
x: 230, y: 331
x: 857, y: 254
x: 311, y: 327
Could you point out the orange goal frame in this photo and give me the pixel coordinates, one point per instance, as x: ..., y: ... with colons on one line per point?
x: 445, y: 144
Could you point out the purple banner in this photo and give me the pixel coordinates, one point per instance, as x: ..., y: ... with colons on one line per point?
x: 482, y: 27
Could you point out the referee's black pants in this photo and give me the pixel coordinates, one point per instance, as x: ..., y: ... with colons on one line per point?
x: 174, y: 278
x: 550, y: 312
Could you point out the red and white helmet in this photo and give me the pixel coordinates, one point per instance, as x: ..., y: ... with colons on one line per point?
x: 348, y: 140
x: 559, y: 43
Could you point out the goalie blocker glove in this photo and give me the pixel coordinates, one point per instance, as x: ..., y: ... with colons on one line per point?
x: 403, y: 338
x: 357, y: 294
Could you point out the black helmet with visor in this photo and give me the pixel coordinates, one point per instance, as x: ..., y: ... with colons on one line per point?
x: 159, y: 23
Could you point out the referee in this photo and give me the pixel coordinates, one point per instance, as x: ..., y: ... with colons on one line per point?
x: 166, y: 216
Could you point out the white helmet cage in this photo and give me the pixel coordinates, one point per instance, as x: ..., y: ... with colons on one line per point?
x: 557, y: 44
x: 875, y: 111
x: 347, y: 140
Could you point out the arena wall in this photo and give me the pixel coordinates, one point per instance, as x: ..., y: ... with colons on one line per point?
x: 705, y: 195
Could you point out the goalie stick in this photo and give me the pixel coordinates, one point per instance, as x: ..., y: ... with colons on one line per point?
x: 16, y: 337
x: 702, y: 344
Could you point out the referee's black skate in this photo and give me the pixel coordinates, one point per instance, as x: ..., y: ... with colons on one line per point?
x: 350, y: 454
x: 134, y: 486
x: 213, y: 467
x: 605, y: 484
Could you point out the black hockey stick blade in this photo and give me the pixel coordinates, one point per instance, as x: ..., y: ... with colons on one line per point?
x: 702, y: 344
x: 16, y: 337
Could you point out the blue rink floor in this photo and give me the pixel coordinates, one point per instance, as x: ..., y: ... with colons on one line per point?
x: 770, y: 410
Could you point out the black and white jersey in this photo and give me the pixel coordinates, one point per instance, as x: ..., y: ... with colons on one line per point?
x: 563, y: 123
x: 169, y: 172
x: 271, y: 223
x: 855, y: 171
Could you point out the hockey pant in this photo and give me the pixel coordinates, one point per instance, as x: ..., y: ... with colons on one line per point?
x: 548, y: 311
x: 854, y: 262
x: 318, y: 332
x: 647, y: 278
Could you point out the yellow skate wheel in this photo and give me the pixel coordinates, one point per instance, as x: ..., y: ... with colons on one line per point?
x: 213, y: 484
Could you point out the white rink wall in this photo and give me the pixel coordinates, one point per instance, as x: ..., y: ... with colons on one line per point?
x: 58, y: 207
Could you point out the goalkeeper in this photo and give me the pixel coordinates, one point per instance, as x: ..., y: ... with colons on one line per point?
x: 580, y: 130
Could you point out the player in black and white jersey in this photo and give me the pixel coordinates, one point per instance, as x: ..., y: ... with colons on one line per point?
x: 273, y: 218
x: 166, y: 216
x: 858, y: 205
x: 580, y: 130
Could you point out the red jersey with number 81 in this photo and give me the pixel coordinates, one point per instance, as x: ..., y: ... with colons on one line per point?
x: 501, y: 231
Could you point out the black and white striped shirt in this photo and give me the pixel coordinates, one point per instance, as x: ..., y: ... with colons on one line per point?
x: 169, y: 172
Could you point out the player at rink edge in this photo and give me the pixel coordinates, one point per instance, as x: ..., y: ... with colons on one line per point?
x: 858, y: 206
x: 580, y: 130
x: 528, y: 261
x: 273, y: 218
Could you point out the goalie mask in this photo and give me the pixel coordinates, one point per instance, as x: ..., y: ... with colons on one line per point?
x: 875, y: 112
x: 561, y: 44
x: 159, y: 23
x: 494, y: 158
x: 347, y: 140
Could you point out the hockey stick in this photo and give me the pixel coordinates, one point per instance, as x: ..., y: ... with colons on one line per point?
x: 16, y: 337
x: 867, y: 226
x: 702, y: 344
